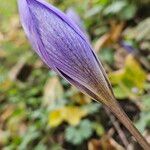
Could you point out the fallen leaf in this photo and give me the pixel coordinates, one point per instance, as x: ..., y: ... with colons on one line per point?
x: 53, y: 90
x: 74, y: 115
x: 116, y: 30
x: 94, y: 144
x: 70, y: 114
x: 56, y: 118
x: 102, y: 41
x: 130, y: 80
x: 3, y: 54
x: 105, y: 143
x: 112, y: 37
x: 7, y: 113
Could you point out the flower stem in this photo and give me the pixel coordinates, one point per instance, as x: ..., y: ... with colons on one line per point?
x: 124, y: 119
x: 117, y: 127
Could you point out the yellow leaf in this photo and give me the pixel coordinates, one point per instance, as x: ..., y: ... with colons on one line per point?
x: 129, y: 79
x: 55, y: 118
x: 133, y: 69
x: 116, y: 76
x: 74, y: 114
x: 70, y: 114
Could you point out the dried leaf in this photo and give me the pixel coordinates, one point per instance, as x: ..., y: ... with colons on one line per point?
x: 53, y: 90
x: 3, y: 54
x: 105, y: 143
x: 101, y: 42
x: 6, y: 113
x: 116, y: 30
x: 111, y: 37
x: 94, y: 145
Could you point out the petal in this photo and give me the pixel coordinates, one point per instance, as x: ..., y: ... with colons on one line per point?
x: 63, y: 47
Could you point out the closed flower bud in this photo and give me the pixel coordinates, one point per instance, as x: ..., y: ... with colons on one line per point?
x: 64, y: 48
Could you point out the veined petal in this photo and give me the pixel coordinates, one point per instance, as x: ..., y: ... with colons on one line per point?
x: 63, y: 47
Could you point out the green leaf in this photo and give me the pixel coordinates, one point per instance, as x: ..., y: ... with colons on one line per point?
x: 7, y: 8
x: 107, y: 54
x: 143, y: 122
x: 31, y: 135
x: 146, y: 103
x: 119, y: 92
x: 76, y: 135
x: 115, y: 7
x: 98, y: 128
x: 130, y: 80
x: 73, y: 136
x: 40, y: 147
x: 86, y: 129
x: 128, y: 12
x: 56, y: 146
x: 92, y: 107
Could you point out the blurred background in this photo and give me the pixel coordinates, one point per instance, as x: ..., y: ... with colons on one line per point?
x: 41, y: 111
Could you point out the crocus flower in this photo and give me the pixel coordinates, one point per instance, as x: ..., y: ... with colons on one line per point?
x: 64, y: 48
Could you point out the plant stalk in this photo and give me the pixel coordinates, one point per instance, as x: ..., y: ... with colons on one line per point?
x: 124, y: 119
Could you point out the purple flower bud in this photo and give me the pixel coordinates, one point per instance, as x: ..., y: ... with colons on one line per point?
x: 63, y: 47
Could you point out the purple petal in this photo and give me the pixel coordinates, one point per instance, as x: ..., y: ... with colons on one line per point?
x: 63, y: 47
